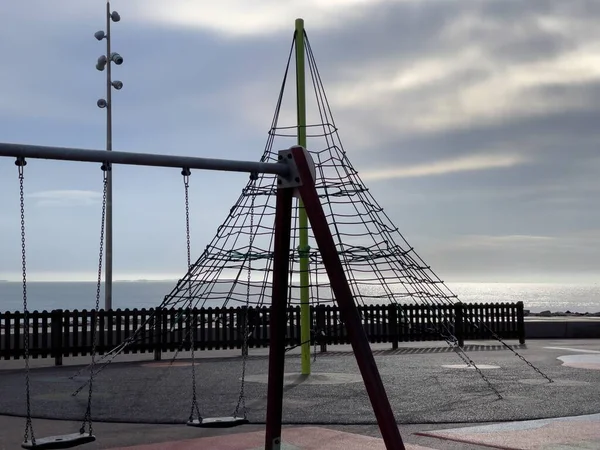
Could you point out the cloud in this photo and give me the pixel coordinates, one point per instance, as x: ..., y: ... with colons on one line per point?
x: 441, y: 72
x: 524, y: 258
x: 66, y: 198
x: 465, y: 117
x: 508, y: 240
x: 463, y: 164
x: 469, y: 88
x: 233, y: 18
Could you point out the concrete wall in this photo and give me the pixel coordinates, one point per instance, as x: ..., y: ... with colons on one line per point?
x: 558, y: 328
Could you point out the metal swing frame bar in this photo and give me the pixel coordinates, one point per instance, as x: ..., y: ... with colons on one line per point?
x: 140, y: 159
x: 294, y: 177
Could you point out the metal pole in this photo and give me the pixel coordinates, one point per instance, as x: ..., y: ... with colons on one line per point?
x: 349, y: 312
x: 108, y: 274
x: 278, y: 318
x: 141, y: 159
x: 303, y: 248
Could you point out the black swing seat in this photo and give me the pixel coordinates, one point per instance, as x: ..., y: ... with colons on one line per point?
x: 63, y: 441
x: 217, y: 422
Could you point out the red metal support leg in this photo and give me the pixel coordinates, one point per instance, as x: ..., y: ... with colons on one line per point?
x: 278, y: 317
x: 349, y: 312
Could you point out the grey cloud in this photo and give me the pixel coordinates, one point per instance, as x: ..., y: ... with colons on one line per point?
x: 560, y: 146
x: 562, y: 258
x: 403, y: 31
x: 182, y: 95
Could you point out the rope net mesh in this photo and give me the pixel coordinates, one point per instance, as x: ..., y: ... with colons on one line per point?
x: 379, y: 263
x: 236, y: 267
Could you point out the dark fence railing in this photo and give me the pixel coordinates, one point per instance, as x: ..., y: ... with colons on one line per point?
x: 60, y: 333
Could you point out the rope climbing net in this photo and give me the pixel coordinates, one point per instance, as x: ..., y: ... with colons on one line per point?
x: 236, y: 268
x: 380, y: 264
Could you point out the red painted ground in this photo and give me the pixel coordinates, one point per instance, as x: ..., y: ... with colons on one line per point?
x: 301, y: 438
x: 582, y: 432
x: 167, y: 364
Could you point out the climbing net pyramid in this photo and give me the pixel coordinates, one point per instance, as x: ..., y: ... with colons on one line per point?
x: 235, y: 268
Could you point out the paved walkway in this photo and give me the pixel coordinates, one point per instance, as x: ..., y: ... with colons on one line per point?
x: 439, y: 403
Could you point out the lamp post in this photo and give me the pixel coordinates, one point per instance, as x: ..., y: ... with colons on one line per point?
x: 104, y: 62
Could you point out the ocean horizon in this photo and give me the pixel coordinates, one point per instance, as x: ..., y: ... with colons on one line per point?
x: 48, y: 295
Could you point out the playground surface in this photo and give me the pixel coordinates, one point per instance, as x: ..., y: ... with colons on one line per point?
x: 439, y: 404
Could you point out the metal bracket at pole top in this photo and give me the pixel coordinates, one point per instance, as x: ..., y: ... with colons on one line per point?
x: 293, y: 179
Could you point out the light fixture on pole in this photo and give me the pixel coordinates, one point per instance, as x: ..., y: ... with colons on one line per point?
x: 105, y: 62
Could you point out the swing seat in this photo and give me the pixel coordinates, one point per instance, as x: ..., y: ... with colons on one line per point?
x: 57, y: 442
x: 217, y: 422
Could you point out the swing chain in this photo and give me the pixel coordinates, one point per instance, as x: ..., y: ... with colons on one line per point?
x: 186, y: 183
x: 316, y: 329
x: 88, y: 412
x: 21, y: 163
x: 191, y: 333
x: 242, y: 397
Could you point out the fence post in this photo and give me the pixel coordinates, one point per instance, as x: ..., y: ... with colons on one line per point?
x: 243, y: 325
x: 56, y: 319
x: 320, y: 335
x: 521, y: 322
x: 157, y: 333
x: 459, y: 325
x: 393, y: 325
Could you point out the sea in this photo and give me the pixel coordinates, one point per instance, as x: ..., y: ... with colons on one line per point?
x: 537, y: 297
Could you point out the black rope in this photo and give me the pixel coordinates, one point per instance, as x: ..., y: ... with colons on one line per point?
x: 379, y: 263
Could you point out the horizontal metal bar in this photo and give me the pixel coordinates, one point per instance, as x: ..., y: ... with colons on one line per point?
x: 140, y: 159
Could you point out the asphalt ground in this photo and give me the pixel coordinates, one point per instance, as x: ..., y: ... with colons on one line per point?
x: 429, y: 388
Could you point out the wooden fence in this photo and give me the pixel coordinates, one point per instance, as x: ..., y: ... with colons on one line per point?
x: 60, y: 333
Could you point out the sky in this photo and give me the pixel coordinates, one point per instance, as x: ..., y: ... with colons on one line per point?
x: 473, y: 123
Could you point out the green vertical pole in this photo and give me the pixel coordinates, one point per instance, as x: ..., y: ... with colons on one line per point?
x: 303, y: 248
